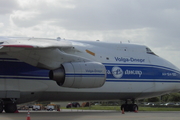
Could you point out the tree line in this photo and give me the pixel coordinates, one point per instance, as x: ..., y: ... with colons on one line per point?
x: 172, y: 97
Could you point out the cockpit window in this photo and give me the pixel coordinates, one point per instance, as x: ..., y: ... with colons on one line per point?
x: 149, y: 51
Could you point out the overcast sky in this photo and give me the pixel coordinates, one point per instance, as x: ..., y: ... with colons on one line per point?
x: 154, y: 23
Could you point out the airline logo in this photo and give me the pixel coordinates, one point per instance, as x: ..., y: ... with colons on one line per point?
x: 134, y: 72
x: 117, y: 72
x: 123, y: 72
x: 122, y: 59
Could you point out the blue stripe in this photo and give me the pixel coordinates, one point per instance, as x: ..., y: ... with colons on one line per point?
x: 140, y: 65
x: 163, y: 81
x: 10, y: 68
x: 82, y: 74
x: 24, y: 78
x: 8, y: 59
x: 85, y: 75
x: 140, y: 81
x: 147, y: 72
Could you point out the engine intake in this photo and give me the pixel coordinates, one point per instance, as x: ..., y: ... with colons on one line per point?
x: 79, y: 75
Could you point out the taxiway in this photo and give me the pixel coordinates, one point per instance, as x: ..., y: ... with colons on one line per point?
x: 91, y: 115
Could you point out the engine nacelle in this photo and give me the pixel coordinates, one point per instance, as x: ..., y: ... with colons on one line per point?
x: 79, y: 75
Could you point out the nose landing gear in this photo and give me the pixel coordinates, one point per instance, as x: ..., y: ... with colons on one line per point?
x: 129, y: 107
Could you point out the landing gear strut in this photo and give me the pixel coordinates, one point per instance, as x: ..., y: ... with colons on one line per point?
x: 1, y: 107
x: 129, y: 107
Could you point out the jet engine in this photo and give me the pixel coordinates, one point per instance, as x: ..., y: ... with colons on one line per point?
x: 79, y: 75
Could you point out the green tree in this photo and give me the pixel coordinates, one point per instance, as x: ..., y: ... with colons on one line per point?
x: 154, y: 99
x: 164, y: 98
x: 174, y: 97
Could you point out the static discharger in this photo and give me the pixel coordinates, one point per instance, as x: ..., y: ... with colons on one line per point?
x: 91, y: 53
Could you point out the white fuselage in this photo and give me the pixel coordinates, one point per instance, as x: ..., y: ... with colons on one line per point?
x: 133, y: 71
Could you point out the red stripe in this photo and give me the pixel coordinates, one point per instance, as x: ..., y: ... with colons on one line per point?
x: 24, y: 46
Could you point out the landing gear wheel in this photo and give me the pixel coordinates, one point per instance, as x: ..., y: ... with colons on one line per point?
x: 1, y: 107
x: 129, y: 107
x: 125, y: 107
x: 10, y: 107
x: 135, y: 107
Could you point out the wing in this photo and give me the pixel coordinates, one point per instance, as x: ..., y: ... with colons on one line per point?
x: 34, y: 43
x: 42, y: 53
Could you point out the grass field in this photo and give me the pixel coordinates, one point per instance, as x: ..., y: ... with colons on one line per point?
x: 95, y: 107
x: 158, y: 109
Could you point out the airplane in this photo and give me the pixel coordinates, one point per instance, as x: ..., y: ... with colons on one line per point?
x: 43, y: 69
